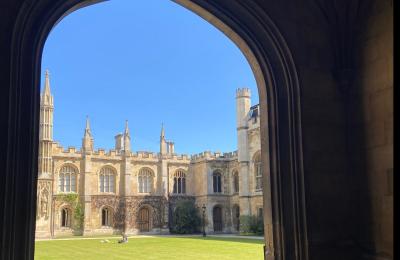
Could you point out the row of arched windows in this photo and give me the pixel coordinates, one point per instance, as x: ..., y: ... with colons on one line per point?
x: 68, y: 174
x: 67, y: 179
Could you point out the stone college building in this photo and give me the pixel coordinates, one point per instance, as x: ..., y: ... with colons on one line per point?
x: 108, y: 192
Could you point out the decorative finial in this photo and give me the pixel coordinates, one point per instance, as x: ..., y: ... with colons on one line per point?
x: 87, y: 127
x: 126, y: 128
x: 162, y: 131
x: 47, y: 82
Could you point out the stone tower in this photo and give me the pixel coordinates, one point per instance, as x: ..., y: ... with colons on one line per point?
x: 243, y: 104
x: 46, y: 129
x: 45, y: 171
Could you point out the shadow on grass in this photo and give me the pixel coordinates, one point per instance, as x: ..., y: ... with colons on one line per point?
x: 223, y: 239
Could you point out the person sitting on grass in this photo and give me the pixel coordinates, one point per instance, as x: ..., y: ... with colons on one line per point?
x: 124, y: 238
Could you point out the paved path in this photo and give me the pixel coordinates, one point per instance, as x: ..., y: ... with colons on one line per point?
x: 150, y: 236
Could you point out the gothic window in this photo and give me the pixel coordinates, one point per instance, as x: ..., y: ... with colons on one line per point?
x: 260, y: 213
x: 235, y: 182
x: 217, y: 182
x: 179, y: 182
x: 65, y: 218
x: 107, y: 180
x: 145, y: 180
x: 106, y: 217
x: 67, y: 179
x: 258, y: 171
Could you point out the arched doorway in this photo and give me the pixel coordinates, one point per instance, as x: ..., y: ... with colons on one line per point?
x: 236, y: 217
x: 106, y: 217
x: 144, y: 220
x: 269, y: 55
x: 65, y: 218
x: 217, y: 219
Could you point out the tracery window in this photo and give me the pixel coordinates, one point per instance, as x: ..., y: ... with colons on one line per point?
x: 179, y: 182
x: 65, y: 218
x: 217, y: 187
x: 145, y: 180
x: 67, y: 179
x: 107, y: 179
x: 235, y: 182
x: 258, y: 171
x: 106, y: 217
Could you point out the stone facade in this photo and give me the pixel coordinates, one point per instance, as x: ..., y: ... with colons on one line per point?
x: 136, y: 192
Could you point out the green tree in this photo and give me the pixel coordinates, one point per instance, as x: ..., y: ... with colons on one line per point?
x: 186, y: 218
x: 251, y: 225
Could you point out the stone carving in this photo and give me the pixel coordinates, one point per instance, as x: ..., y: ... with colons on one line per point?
x: 43, y: 199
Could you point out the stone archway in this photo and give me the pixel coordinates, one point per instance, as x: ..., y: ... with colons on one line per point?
x: 263, y: 45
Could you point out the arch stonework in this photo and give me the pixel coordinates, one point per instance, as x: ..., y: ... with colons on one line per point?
x: 265, y: 48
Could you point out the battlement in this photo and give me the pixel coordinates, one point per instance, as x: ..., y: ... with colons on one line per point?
x: 178, y: 157
x: 216, y: 155
x: 145, y: 154
x: 243, y: 92
x: 71, y: 150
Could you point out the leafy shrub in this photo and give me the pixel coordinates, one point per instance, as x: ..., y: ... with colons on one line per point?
x: 251, y: 225
x: 186, y: 218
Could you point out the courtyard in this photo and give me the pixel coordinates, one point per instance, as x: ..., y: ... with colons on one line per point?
x: 149, y: 247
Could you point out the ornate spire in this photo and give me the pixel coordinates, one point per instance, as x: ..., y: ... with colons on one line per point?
x: 87, y: 141
x: 127, y: 138
x: 126, y: 133
x: 87, y: 128
x: 162, y: 136
x: 46, y: 90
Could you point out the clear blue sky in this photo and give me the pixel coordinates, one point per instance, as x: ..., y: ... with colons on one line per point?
x: 147, y: 62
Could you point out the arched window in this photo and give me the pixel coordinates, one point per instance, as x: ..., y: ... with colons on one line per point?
x: 65, y: 218
x: 179, y: 182
x: 107, y: 179
x: 258, y: 171
x: 145, y: 180
x: 217, y: 182
x: 106, y: 217
x: 235, y: 182
x: 67, y: 179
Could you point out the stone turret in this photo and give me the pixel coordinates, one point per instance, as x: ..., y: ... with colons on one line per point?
x: 119, y: 142
x: 45, y: 178
x: 243, y: 104
x: 87, y: 141
x: 46, y: 128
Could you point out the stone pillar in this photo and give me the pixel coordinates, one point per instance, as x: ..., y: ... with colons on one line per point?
x: 127, y: 191
x: 165, y: 193
x: 87, y: 192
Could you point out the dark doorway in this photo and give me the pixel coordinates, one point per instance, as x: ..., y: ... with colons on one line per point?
x: 144, y: 223
x: 65, y: 222
x: 217, y: 219
x: 236, y: 217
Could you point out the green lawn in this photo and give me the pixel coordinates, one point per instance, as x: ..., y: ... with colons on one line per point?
x: 151, y: 248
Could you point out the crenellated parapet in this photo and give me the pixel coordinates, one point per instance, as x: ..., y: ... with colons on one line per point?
x: 243, y: 92
x: 207, y: 155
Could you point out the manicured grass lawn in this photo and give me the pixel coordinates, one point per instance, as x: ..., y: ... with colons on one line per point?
x: 151, y: 248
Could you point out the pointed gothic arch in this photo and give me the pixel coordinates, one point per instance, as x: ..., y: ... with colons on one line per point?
x: 270, y: 58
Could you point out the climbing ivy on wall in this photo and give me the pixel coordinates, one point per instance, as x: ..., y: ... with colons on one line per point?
x: 73, y: 200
